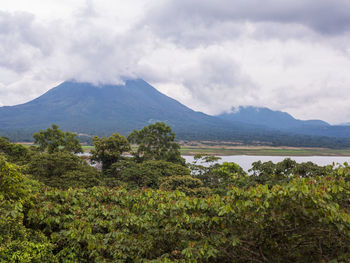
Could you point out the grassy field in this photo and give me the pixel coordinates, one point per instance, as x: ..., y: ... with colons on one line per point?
x: 234, y: 148
x: 87, y: 148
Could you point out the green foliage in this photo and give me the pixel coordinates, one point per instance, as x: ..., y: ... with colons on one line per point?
x: 218, y: 177
x: 11, y: 182
x: 302, y: 221
x: 310, y: 169
x: 186, y: 184
x: 284, y: 212
x: 146, y: 174
x: 54, y: 140
x: 18, y: 243
x: 156, y: 142
x: 203, y: 167
x: 63, y: 170
x: 227, y: 175
x: 264, y: 173
x: 271, y: 174
x: 109, y: 150
x: 15, y: 153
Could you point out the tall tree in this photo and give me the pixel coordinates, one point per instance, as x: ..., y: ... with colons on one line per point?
x: 109, y: 150
x: 54, y: 140
x: 62, y: 170
x: 156, y: 142
x: 147, y: 174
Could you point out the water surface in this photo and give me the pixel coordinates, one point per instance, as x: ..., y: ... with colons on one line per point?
x: 245, y: 161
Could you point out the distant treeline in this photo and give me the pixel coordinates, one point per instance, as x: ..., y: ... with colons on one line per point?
x: 271, y: 138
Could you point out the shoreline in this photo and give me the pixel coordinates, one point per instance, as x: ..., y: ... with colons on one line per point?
x: 264, y: 151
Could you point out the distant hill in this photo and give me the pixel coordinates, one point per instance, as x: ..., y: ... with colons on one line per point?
x: 102, y: 110
x: 344, y: 124
x: 267, y: 117
x: 284, y: 122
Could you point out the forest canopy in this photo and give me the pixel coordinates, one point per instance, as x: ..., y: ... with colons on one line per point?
x: 152, y: 207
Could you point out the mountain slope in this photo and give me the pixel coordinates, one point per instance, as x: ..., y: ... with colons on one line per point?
x: 103, y: 110
x: 83, y: 107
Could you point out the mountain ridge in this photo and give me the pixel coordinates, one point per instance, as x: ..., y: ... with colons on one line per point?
x: 131, y: 106
x: 285, y: 122
x: 102, y: 110
x: 267, y: 117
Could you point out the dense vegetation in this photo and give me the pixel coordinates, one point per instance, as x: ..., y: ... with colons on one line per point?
x: 150, y: 206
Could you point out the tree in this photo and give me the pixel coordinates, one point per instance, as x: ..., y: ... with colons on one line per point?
x: 156, y: 142
x: 218, y: 177
x: 203, y: 167
x: 54, y: 140
x: 309, y: 169
x: 186, y: 184
x: 270, y: 174
x: 109, y: 150
x: 228, y: 174
x: 147, y: 174
x: 63, y: 170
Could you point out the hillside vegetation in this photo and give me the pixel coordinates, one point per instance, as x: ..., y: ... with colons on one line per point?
x: 152, y: 207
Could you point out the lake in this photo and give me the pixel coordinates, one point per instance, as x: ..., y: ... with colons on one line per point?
x: 245, y: 161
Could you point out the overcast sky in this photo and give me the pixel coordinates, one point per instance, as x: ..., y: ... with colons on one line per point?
x: 289, y: 55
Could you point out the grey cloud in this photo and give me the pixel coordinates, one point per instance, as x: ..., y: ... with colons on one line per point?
x: 220, y: 53
x: 323, y: 16
x: 214, y: 82
x: 82, y: 48
x: 85, y: 48
x: 217, y: 79
x: 22, y: 41
x: 88, y: 10
x: 105, y: 56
